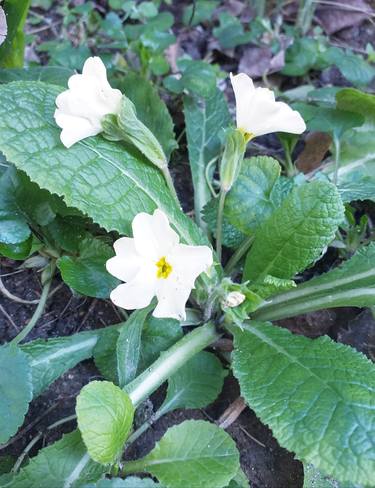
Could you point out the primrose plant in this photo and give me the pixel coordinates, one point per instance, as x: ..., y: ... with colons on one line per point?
x: 108, y: 170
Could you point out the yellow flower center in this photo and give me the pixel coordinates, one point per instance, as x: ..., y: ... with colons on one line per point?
x: 164, y: 269
x: 247, y: 135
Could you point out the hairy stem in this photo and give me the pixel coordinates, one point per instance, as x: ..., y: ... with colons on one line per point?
x: 336, y: 142
x: 170, y: 184
x: 170, y: 361
x: 219, y: 223
x: 238, y: 254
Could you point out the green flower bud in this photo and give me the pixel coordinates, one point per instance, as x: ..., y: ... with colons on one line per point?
x: 232, y: 158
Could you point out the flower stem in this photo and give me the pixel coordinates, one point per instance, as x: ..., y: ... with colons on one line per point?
x: 39, y: 309
x: 336, y: 142
x: 238, y: 254
x: 170, y: 361
x: 170, y: 184
x: 219, y: 224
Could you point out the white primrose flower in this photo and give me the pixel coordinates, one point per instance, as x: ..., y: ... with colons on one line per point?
x: 89, y: 98
x: 258, y: 113
x: 154, y: 263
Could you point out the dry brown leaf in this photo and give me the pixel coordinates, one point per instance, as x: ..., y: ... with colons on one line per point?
x: 347, y: 13
x: 316, y: 146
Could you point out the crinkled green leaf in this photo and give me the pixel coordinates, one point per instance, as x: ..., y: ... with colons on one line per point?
x: 108, y: 181
x: 196, y: 384
x: 297, y: 232
x: 15, y: 390
x: 151, y: 109
x: 250, y: 201
x: 350, y: 285
x: 56, y: 75
x: 129, y: 346
x: 232, y: 237
x: 194, y: 450
x: 158, y: 335
x: 64, y: 464
x: 14, y: 228
x: 86, y: 273
x: 315, y: 479
x: 50, y: 358
x: 352, y: 66
x: 317, y: 396
x: 204, y: 118
x: 357, y: 186
x: 105, y: 416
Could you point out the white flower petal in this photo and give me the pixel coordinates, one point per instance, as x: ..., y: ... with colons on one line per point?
x: 74, y: 128
x: 188, y: 262
x: 274, y: 116
x: 243, y: 88
x: 89, y: 98
x: 153, y: 236
x: 127, y: 262
x: 138, y: 292
x: 258, y: 113
x: 94, y: 67
x: 172, y: 296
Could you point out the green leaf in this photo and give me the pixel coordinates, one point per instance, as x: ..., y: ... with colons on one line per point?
x: 12, y: 49
x: 357, y: 187
x: 129, y: 482
x: 50, y: 358
x: 352, y: 66
x: 316, y: 396
x: 194, y: 450
x: 204, y: 118
x: 16, y: 390
x: 315, y: 479
x: 297, y: 232
x: 201, y: 12
x: 129, y: 346
x: 105, y: 180
x: 56, y: 75
x: 104, y: 354
x: 230, y: 32
x: 86, y: 273
x: 198, y: 77
x: 14, y: 228
x: 158, y: 335
x: 6, y: 463
x: 350, y: 285
x: 105, y: 416
x: 251, y: 200
x: 18, y: 251
x: 239, y: 481
x: 189, y: 388
x: 356, y: 101
x: 232, y: 237
x: 326, y: 119
x: 64, y: 464
x: 151, y: 109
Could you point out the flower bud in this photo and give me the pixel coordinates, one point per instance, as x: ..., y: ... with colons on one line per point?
x: 233, y: 299
x: 232, y: 158
x: 135, y: 132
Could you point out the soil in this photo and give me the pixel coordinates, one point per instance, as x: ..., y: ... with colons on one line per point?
x: 266, y: 464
